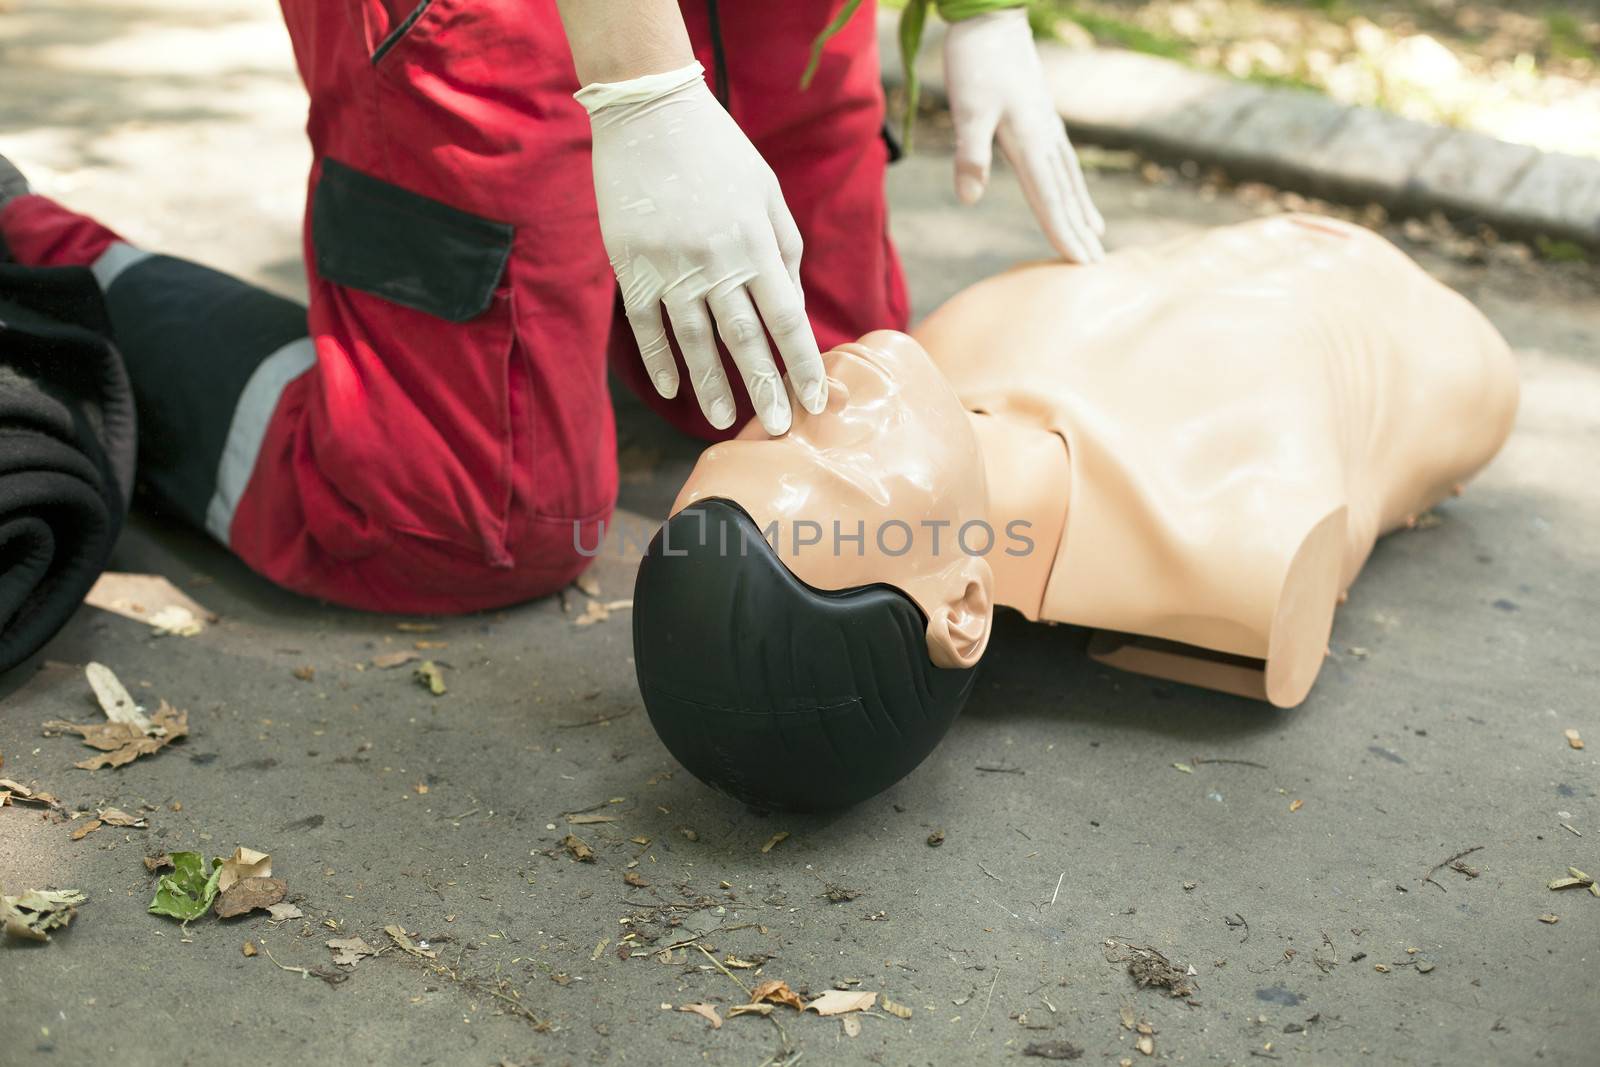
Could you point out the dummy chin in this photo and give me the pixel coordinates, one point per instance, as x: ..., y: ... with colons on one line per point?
x: 788, y: 697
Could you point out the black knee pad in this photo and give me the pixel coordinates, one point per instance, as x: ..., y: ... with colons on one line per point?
x: 775, y: 693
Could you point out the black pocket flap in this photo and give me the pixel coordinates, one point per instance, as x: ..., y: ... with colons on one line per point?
x: 409, y: 249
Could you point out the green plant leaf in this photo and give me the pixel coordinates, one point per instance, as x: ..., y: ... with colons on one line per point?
x: 188, y: 891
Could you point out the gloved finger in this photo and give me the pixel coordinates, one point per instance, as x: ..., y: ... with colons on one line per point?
x: 974, y: 154
x: 1097, y: 222
x: 654, y: 348
x: 790, y: 245
x: 1041, y: 186
x: 741, y: 331
x: 785, y: 318
x: 1076, y: 206
x: 692, y: 327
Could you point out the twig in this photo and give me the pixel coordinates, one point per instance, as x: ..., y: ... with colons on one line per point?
x: 986, y: 1002
x: 1057, y: 893
x: 1445, y: 863
x: 724, y: 970
x: 1196, y: 761
x: 304, y: 972
x: 999, y: 769
x: 592, y: 722
x: 991, y: 874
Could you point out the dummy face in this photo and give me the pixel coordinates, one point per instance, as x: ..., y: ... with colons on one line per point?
x: 805, y: 623
x: 884, y: 487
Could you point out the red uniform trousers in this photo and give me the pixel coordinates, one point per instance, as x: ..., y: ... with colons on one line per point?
x: 434, y: 432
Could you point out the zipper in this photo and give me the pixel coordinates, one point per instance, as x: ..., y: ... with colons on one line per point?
x: 399, y: 31
x: 719, y: 55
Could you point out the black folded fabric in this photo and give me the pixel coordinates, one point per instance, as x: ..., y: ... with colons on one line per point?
x: 67, y: 444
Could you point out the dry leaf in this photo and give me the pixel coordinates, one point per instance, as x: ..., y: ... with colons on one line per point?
x: 149, y: 598
x: 394, y: 659
x: 587, y: 584
x: 171, y: 724
x: 175, y: 621
x: 157, y: 863
x: 306, y: 674
x: 1296, y: 804
x: 1146, y: 1044
x: 127, y: 733
x: 38, y: 911
x: 244, y: 863
x: 936, y: 839
x: 16, y: 792
x: 249, y: 948
x: 349, y: 951
x: 778, y: 992
x: 113, y: 697
x: 593, y: 612
x: 399, y: 937
x: 750, y: 1009
x: 839, y: 1001
x: 86, y: 829
x: 899, y: 1011
x: 635, y: 879
x: 430, y: 676
x: 118, y: 817
x: 775, y: 840
x: 852, y: 1026
x: 1550, y: 919
x: 1573, y: 739
x: 580, y: 851
x: 706, y: 1012
x: 416, y: 627
x: 280, y: 912
x: 586, y: 820
x: 249, y: 894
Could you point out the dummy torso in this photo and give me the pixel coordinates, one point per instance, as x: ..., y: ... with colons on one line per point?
x: 1206, y: 438
x: 1245, y: 412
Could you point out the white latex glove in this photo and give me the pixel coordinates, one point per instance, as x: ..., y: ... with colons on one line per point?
x: 693, y: 219
x: 997, y: 91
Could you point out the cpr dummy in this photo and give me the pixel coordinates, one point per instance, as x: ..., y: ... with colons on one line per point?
x: 1190, y: 448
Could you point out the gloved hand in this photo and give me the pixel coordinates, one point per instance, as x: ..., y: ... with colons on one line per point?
x: 997, y: 90
x: 693, y: 219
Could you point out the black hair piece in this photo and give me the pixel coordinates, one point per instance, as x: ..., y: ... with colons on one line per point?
x: 775, y: 693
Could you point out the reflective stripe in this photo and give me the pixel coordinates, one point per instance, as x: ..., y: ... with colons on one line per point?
x: 114, y: 260
x: 249, y: 427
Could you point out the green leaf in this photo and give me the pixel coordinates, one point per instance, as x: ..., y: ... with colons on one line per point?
x: 188, y: 891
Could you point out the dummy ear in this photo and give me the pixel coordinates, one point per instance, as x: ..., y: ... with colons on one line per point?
x: 958, y: 630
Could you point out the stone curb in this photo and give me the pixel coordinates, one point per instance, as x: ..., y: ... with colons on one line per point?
x: 1298, y: 140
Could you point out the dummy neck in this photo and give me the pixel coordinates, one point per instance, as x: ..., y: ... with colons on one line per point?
x: 1030, y: 480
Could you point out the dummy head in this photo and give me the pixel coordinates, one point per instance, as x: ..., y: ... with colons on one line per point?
x: 807, y: 624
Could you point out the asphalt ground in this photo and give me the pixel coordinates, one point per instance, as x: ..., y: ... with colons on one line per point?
x: 1083, y: 811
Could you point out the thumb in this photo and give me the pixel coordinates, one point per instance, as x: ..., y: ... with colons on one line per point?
x: 974, y: 154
